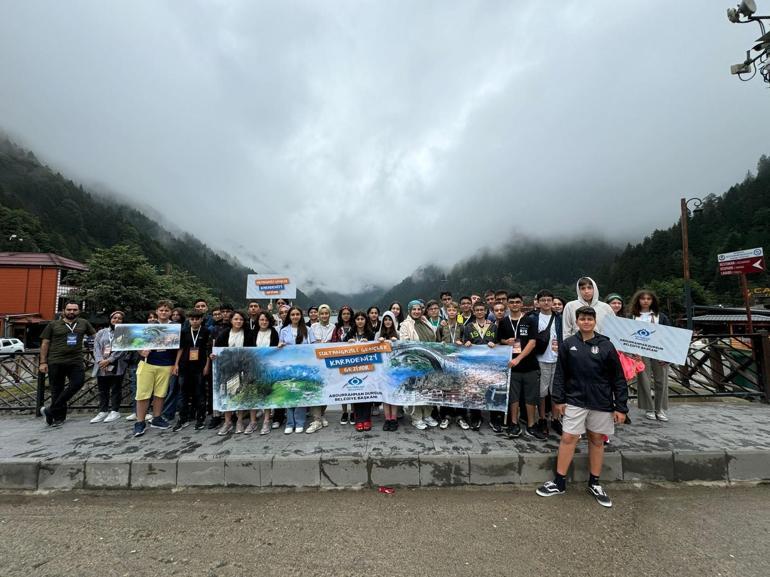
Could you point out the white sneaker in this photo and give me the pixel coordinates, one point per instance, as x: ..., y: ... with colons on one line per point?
x: 131, y: 417
x: 662, y: 416
x: 463, y: 424
x: 444, y: 423
x: 420, y: 424
x: 431, y: 422
x: 113, y: 416
x: 100, y: 417
x: 299, y: 430
x: 288, y: 430
x: 324, y: 422
x: 314, y: 426
x: 650, y: 415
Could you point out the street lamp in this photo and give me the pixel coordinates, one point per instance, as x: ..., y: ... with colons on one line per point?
x: 697, y: 205
x: 743, y: 14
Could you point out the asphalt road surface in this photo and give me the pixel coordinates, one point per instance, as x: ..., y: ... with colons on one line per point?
x: 699, y: 531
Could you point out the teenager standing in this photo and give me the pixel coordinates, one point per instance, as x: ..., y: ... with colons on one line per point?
x: 295, y: 333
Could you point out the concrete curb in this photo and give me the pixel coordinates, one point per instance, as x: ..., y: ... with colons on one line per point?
x: 357, y: 471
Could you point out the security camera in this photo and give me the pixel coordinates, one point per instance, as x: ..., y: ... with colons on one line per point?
x: 742, y: 68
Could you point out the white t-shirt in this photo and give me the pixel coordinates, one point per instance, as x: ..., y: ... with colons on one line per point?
x: 263, y: 339
x: 549, y: 356
x: 645, y: 317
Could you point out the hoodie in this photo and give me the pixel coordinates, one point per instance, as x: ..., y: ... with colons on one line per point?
x: 395, y: 324
x: 569, y: 322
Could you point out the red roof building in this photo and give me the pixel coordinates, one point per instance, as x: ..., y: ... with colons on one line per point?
x: 33, y: 288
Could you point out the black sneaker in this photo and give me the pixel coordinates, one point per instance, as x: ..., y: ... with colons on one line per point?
x: 476, y: 424
x: 549, y: 489
x: 159, y: 423
x: 344, y: 419
x: 46, y: 413
x: 139, y: 428
x: 57, y: 423
x: 200, y: 425
x: 179, y: 425
x: 535, y: 433
x: 556, y: 427
x: 495, y: 426
x: 514, y: 431
x: 600, y: 496
x: 215, y: 422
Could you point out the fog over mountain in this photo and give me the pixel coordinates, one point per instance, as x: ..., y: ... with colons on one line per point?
x: 349, y: 143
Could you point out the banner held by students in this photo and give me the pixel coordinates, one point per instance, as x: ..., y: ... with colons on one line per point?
x: 270, y: 286
x: 661, y: 342
x: 140, y: 337
x: 400, y: 373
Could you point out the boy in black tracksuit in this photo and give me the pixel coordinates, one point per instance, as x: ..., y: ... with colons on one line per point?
x: 590, y: 392
x: 193, y: 365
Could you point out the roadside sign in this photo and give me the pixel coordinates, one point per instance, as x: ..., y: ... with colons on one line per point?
x: 741, y: 262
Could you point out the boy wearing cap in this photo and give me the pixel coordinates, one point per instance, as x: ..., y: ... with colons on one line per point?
x: 590, y: 393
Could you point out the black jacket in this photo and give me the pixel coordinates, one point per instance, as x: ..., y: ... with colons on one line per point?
x: 589, y: 375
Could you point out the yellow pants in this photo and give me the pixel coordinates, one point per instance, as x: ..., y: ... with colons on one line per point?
x: 151, y: 380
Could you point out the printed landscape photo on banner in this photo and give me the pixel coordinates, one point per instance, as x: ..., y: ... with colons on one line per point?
x: 139, y: 337
x: 400, y: 373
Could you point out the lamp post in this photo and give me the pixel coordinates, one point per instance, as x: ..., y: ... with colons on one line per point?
x: 697, y: 204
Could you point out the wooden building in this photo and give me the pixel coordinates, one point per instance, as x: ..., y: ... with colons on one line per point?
x: 33, y: 289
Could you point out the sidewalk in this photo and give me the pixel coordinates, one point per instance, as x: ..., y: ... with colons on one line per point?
x: 703, y: 442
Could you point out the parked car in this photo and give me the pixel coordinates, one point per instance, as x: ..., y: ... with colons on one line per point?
x: 9, y: 346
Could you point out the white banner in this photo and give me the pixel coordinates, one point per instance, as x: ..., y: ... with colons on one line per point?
x: 270, y: 286
x: 656, y: 341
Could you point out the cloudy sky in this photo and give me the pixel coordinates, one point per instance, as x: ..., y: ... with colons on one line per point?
x: 350, y: 142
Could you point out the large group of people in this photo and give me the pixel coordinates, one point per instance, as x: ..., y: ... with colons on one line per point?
x: 566, y: 378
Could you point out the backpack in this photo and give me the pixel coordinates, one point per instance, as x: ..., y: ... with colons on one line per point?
x: 543, y: 338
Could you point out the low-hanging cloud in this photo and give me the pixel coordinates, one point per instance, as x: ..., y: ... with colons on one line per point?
x: 350, y: 142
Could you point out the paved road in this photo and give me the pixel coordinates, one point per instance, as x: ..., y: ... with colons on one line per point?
x: 679, y: 532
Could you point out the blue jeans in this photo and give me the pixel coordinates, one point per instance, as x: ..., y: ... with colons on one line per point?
x: 169, y: 404
x: 296, y: 417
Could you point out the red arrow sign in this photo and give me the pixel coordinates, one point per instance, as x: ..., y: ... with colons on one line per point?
x: 742, y: 266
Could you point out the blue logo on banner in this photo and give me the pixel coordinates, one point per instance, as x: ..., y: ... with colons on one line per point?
x: 643, y: 335
x: 355, y: 383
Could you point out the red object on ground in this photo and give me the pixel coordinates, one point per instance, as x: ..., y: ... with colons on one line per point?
x: 386, y: 490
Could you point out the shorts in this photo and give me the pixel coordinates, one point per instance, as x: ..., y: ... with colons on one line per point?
x: 547, y: 372
x: 526, y: 386
x: 577, y: 420
x: 151, y: 380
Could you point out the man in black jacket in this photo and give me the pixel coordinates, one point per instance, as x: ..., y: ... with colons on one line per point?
x: 590, y: 393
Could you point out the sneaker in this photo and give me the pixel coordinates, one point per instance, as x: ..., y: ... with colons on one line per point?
x: 463, y: 424
x: 535, y: 433
x: 386, y: 425
x: 57, y: 423
x: 324, y: 422
x: 650, y: 415
x: 344, y: 419
x: 160, y: 423
x: 557, y: 427
x: 314, y: 426
x: 600, y: 496
x: 276, y: 424
x: 514, y: 431
x: 394, y: 425
x: 266, y: 428
x: 359, y: 427
x: 430, y: 421
x: 495, y: 426
x: 226, y: 429
x: 100, y: 416
x: 215, y: 422
x: 288, y: 430
x: 45, y: 412
x: 549, y: 489
x: 420, y: 424
x: 200, y: 425
x: 139, y: 428
x: 299, y: 429
x: 542, y: 425
x: 250, y: 428
x: 131, y: 417
x: 367, y: 425
x: 476, y: 424
x: 180, y: 424
x: 661, y: 416
x: 444, y: 423
x: 113, y: 416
